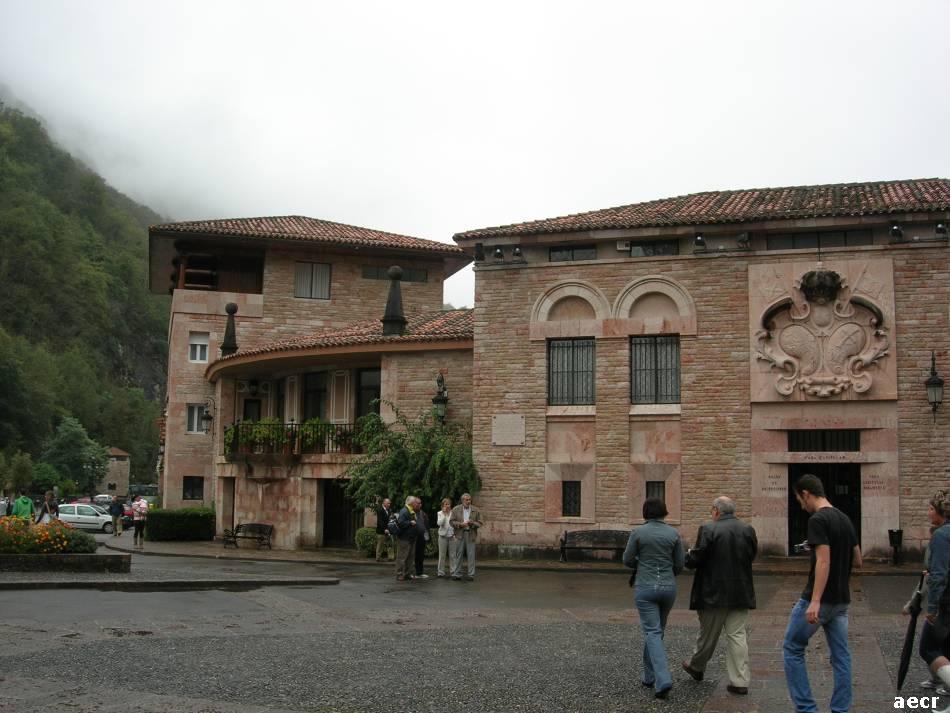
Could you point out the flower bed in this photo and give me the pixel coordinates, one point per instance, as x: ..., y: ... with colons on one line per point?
x: 19, y: 537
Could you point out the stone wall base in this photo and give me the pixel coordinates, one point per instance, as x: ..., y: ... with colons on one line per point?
x: 66, y: 563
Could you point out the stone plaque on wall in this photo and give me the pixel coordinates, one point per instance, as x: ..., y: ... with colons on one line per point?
x: 507, y: 429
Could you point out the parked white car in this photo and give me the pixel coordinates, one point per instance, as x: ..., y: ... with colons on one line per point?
x: 86, y: 517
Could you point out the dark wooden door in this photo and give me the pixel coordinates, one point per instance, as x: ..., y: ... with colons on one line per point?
x: 341, y: 517
x: 842, y: 483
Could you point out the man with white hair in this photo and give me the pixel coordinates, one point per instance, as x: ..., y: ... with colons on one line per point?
x: 722, y: 592
x: 465, y: 520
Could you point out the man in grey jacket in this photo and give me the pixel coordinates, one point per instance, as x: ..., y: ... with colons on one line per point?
x: 723, y: 592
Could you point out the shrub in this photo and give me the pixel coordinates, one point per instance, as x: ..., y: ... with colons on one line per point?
x: 183, y: 524
x: 18, y: 536
x: 366, y: 540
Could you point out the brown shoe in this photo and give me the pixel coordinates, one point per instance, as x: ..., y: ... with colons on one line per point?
x: 694, y: 674
x: 738, y: 690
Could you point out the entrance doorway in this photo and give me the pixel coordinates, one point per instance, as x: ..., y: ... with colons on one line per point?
x: 341, y: 517
x: 842, y: 482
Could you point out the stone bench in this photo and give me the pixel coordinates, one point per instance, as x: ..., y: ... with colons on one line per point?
x: 615, y: 540
x: 256, y: 531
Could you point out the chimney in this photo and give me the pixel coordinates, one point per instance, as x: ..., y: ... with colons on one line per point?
x: 229, y: 345
x: 394, y: 321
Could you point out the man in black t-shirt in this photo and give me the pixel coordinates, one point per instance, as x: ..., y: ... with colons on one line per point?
x: 834, y: 550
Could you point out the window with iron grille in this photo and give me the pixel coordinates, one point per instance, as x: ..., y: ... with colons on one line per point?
x: 569, y: 253
x: 570, y: 498
x: 655, y: 369
x: 841, y: 439
x: 570, y: 372
x: 192, y: 487
x: 656, y: 489
x: 655, y: 247
x: 312, y: 280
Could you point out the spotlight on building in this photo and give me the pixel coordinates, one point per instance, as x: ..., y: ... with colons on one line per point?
x: 516, y: 253
x: 699, y: 243
x: 498, y: 254
x: 941, y: 230
x: 897, y: 233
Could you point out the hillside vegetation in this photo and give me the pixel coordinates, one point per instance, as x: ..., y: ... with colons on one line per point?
x: 80, y: 335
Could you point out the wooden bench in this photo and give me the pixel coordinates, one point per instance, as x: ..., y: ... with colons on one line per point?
x: 615, y: 540
x: 256, y: 531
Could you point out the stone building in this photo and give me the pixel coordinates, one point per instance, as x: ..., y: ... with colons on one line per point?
x: 116, y: 479
x: 306, y: 356
x: 716, y: 343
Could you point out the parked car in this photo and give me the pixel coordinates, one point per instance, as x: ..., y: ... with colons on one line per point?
x: 86, y: 517
x: 102, y: 499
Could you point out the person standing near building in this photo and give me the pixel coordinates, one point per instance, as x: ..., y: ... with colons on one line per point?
x: 422, y: 539
x: 824, y: 602
x: 655, y: 552
x: 723, y: 592
x: 383, y: 512
x: 935, y: 635
x: 446, y: 541
x: 139, y: 516
x: 465, y: 521
x: 406, y: 539
x: 24, y: 507
x: 116, y: 511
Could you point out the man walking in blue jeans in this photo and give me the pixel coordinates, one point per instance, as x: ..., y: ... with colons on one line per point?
x: 824, y: 603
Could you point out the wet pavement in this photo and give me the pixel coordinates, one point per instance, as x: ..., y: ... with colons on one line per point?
x: 512, y: 640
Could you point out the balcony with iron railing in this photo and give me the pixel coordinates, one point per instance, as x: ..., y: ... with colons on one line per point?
x: 270, y: 437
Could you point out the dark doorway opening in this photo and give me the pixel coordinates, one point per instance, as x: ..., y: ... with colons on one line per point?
x: 842, y: 483
x: 341, y: 517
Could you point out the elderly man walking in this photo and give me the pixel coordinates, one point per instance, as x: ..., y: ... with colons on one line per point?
x: 722, y: 592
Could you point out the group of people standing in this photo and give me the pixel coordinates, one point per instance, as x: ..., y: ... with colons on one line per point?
x: 457, y: 537
x: 23, y: 507
x: 723, y: 593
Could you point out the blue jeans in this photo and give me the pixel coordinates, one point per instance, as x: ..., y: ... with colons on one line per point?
x: 654, y: 604
x: 833, y: 618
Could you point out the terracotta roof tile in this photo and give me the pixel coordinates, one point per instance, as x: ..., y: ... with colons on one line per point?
x: 426, y: 327
x: 299, y: 227
x: 757, y: 204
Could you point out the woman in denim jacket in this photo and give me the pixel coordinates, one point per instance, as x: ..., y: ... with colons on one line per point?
x: 655, y: 551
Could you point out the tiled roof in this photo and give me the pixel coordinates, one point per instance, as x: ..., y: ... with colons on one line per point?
x: 113, y: 451
x: 426, y: 327
x: 755, y: 204
x: 299, y: 227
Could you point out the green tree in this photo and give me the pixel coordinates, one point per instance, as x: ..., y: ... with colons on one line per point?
x: 45, y: 477
x: 20, y: 471
x: 422, y: 457
x: 75, y: 455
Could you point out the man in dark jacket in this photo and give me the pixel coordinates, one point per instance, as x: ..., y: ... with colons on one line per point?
x: 116, y: 510
x: 406, y: 539
x: 383, y: 513
x: 722, y: 592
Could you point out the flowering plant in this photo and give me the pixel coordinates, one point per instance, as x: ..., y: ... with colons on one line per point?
x: 18, y: 536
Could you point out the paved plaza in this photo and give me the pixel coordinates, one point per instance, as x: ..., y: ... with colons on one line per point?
x: 527, y: 641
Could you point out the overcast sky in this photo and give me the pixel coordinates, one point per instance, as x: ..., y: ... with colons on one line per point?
x: 432, y: 118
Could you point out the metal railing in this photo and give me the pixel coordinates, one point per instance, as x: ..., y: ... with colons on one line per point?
x: 290, y: 439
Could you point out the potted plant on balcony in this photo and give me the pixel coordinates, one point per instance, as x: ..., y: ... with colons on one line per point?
x: 269, y: 436
x: 343, y: 438
x: 313, y: 434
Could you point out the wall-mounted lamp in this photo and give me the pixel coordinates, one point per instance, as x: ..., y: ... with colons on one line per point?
x: 699, y: 243
x: 897, y: 233
x: 441, y: 398
x: 497, y: 253
x: 934, y: 386
x: 207, y: 418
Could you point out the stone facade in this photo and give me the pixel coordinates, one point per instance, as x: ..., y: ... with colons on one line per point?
x: 116, y: 480
x: 729, y: 433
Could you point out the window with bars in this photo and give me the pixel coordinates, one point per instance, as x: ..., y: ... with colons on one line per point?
x: 813, y: 240
x: 571, y: 253
x: 655, y: 369
x: 570, y: 498
x: 656, y: 489
x: 570, y: 372
x: 841, y: 439
x: 312, y: 280
x: 192, y: 487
